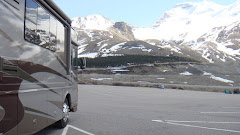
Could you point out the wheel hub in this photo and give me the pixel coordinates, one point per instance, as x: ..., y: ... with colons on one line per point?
x: 65, y: 112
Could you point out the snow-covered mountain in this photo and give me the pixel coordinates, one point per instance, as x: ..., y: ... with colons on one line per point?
x: 204, y: 30
x: 96, y: 22
x: 219, y: 44
x: 188, y: 21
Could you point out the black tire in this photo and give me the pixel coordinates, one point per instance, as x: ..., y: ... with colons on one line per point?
x: 66, y: 109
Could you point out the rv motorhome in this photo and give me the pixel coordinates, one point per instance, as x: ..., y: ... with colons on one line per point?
x: 38, y: 65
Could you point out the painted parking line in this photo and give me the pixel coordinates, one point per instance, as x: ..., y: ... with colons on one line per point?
x: 178, y: 123
x: 78, y: 129
x: 231, y: 107
x: 220, y: 112
x: 208, y: 122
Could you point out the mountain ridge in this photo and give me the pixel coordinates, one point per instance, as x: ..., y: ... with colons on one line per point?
x: 180, y: 31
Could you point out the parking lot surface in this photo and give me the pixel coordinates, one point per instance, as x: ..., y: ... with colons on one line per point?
x: 117, y: 110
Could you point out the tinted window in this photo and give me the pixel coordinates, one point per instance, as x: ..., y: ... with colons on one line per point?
x: 42, y: 29
x: 60, y: 41
x: 31, y: 23
x: 74, y: 57
x: 43, y: 20
x: 53, y: 33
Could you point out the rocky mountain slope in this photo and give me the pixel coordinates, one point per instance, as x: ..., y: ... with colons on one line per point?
x: 202, y: 30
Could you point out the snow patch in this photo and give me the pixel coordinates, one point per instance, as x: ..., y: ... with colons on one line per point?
x: 81, y: 48
x: 206, y: 74
x: 142, y: 47
x: 120, y: 70
x: 88, y: 55
x: 117, y: 47
x: 161, y: 78
x: 221, y: 79
x: 186, y: 73
x: 100, y: 79
x: 110, y: 54
x: 217, y: 78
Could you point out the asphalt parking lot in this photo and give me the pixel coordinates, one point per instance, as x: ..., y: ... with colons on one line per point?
x: 117, y: 110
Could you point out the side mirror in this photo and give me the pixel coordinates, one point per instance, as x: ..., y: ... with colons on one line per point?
x: 82, y: 63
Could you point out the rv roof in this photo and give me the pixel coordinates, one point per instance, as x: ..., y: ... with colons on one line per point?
x: 57, y: 10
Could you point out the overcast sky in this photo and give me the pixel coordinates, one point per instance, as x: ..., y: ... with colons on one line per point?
x: 141, y: 13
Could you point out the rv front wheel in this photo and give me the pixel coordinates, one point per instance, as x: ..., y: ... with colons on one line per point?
x: 66, y: 109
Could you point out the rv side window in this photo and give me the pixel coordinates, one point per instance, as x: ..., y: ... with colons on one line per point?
x: 60, y: 50
x: 31, y: 22
x: 74, y: 57
x: 43, y: 29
